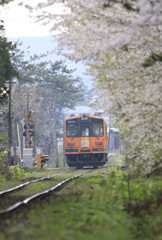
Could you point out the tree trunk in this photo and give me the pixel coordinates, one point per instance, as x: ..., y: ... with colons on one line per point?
x: 20, y: 145
x: 15, y: 146
x: 55, y: 138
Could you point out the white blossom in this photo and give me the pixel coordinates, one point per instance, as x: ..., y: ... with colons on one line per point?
x: 123, y: 50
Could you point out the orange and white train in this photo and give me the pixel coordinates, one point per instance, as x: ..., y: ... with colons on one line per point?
x: 85, y: 141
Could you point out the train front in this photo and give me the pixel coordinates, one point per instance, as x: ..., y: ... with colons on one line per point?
x: 85, y: 141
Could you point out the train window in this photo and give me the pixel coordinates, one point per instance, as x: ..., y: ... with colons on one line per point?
x: 97, y: 128
x: 84, y: 130
x: 71, y: 129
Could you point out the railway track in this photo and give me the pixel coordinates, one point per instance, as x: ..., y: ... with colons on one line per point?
x: 30, y: 199
x: 18, y: 187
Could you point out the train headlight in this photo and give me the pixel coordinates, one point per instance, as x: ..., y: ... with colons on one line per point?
x: 99, y: 142
x: 71, y: 143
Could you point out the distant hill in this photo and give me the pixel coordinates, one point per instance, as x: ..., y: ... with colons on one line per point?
x: 40, y: 45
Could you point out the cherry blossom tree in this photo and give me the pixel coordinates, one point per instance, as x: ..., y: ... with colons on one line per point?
x: 120, y: 40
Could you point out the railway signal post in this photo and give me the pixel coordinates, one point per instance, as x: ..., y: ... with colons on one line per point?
x: 4, y: 92
x: 29, y: 129
x: 29, y: 124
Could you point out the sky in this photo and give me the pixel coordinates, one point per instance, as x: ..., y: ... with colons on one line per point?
x: 19, y: 23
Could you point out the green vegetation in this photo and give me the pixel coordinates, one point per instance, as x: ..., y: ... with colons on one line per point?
x: 117, y: 160
x: 18, y: 172
x: 19, y: 176
x: 4, y: 168
x: 104, y: 204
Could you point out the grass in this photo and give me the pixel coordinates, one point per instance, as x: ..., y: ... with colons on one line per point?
x: 95, y: 206
x: 32, y: 188
x: 27, y: 175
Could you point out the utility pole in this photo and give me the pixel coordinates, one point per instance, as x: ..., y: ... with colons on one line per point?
x: 27, y: 107
x: 9, y: 126
x: 55, y: 138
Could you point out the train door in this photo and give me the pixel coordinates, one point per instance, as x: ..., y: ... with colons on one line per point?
x: 85, y: 133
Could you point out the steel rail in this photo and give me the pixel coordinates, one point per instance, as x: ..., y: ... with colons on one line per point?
x: 41, y: 194
x: 26, y: 183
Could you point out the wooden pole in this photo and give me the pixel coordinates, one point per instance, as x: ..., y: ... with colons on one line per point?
x: 38, y: 156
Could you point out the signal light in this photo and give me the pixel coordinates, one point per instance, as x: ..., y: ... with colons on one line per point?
x: 4, y: 91
x: 31, y: 125
x: 99, y: 142
x: 24, y: 134
x: 71, y: 143
x: 29, y: 128
x: 31, y: 133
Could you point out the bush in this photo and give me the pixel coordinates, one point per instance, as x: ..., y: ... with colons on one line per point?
x: 4, y: 168
x: 18, y: 172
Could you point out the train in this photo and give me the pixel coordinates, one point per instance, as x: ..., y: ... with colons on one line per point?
x: 85, y: 141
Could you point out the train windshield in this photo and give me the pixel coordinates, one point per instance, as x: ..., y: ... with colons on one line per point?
x: 89, y: 128
x: 84, y: 130
x: 97, y: 127
x: 71, y: 128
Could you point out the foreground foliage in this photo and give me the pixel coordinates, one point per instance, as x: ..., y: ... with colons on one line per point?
x: 105, y: 204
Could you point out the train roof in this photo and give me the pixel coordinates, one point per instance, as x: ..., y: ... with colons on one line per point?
x: 84, y: 115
